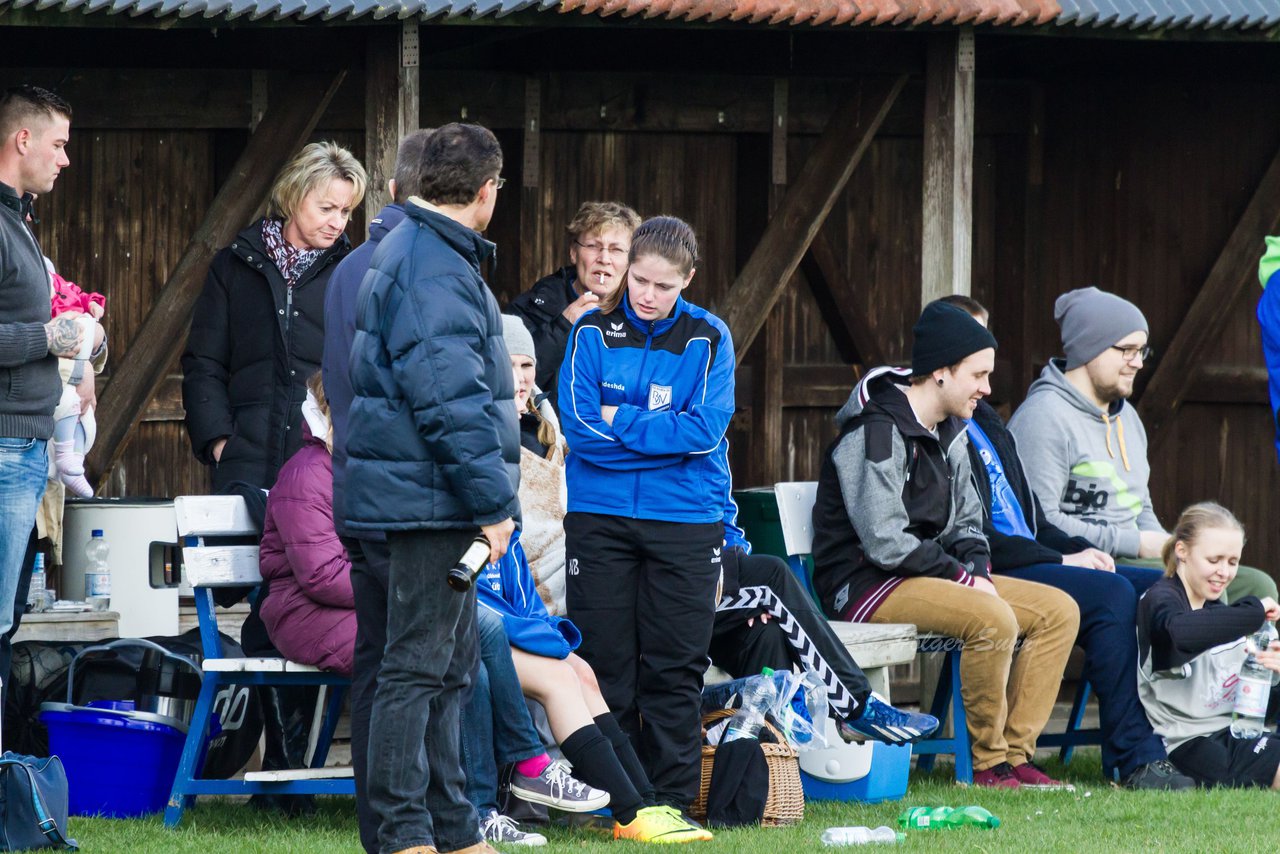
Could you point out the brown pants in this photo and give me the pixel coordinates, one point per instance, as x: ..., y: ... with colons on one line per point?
x: 1008, y: 697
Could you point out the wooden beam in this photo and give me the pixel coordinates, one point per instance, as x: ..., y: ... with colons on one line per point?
x: 804, y: 208
x: 947, y: 242
x: 846, y: 316
x: 285, y: 127
x: 817, y: 386
x: 1229, y: 384
x: 391, y: 86
x: 1232, y: 273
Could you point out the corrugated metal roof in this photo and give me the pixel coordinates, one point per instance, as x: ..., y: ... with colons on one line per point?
x: 1132, y: 14
x: 1170, y: 14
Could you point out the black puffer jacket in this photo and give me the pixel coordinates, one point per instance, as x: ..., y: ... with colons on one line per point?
x: 253, y: 343
x: 542, y: 310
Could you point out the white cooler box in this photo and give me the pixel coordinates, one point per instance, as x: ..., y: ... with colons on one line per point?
x: 141, y: 533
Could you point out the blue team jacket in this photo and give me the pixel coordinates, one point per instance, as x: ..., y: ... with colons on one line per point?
x: 665, y: 457
x: 507, y: 588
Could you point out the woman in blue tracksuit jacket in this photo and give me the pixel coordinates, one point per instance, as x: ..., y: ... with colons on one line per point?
x: 646, y: 394
x: 602, y: 756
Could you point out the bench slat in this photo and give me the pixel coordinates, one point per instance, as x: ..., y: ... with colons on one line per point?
x: 284, y: 775
x: 256, y: 665
x: 221, y: 566
x: 213, y: 515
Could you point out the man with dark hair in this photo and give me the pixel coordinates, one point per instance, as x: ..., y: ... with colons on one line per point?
x: 34, y: 128
x: 433, y: 451
x: 368, y: 551
x: 898, y: 539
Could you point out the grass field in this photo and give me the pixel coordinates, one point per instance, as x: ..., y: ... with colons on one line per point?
x: 1096, y: 817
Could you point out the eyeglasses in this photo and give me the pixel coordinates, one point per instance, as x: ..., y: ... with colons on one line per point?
x: 499, y: 182
x: 1131, y: 353
x: 613, y: 250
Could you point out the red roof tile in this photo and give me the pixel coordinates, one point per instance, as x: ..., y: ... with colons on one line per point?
x: 829, y: 12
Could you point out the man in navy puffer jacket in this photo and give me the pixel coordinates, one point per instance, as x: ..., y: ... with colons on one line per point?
x: 433, y: 451
x: 370, y: 560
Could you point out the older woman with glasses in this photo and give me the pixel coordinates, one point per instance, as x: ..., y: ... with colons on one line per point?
x: 599, y: 239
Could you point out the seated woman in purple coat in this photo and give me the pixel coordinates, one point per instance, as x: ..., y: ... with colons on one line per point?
x: 309, y: 611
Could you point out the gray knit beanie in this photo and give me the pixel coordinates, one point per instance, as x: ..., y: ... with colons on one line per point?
x: 1093, y: 320
x: 516, y: 334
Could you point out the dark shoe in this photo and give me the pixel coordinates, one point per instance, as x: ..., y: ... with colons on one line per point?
x: 1160, y: 774
x: 997, y: 777
x: 1030, y: 776
x: 882, y: 722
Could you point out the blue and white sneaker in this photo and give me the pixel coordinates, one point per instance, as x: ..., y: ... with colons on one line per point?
x: 882, y: 722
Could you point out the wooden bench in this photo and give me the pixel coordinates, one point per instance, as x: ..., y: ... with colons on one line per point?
x: 211, y: 566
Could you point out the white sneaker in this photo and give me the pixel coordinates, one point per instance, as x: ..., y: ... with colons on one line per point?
x: 554, y: 787
x: 499, y: 829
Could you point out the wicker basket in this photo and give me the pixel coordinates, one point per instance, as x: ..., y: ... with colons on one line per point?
x: 785, y: 804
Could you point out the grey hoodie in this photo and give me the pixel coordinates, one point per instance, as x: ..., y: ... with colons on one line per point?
x: 894, y: 501
x: 1089, y: 470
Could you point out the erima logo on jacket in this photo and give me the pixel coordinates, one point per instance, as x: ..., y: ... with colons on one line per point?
x: 616, y: 330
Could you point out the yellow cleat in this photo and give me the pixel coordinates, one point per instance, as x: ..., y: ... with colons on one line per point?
x: 660, y: 826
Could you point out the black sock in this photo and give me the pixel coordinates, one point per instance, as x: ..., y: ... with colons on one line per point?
x: 626, y: 752
x: 595, y: 764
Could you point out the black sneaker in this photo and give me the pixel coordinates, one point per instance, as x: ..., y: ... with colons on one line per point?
x: 1158, y: 775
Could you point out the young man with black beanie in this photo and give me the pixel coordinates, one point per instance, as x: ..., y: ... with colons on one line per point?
x: 898, y: 539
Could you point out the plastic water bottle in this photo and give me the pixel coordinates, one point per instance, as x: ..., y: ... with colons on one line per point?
x: 35, y: 593
x: 97, y: 576
x: 861, y: 835
x: 1253, y: 688
x: 757, y: 698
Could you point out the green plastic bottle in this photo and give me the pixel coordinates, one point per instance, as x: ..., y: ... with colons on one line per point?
x: 946, y: 818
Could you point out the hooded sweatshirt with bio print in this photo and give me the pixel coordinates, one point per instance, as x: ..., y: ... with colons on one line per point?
x: 1088, y: 468
x: 895, y: 501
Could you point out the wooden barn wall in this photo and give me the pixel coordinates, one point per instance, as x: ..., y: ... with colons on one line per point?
x: 1145, y: 175
x: 1117, y: 175
x: 117, y: 221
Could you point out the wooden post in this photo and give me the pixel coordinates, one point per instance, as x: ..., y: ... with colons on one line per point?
x: 531, y: 184
x: 804, y: 208
x: 947, y: 242
x: 1234, y: 271
x: 283, y: 130
x: 392, y: 91
x: 767, y: 355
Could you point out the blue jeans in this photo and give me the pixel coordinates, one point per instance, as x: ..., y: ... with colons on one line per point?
x: 415, y: 776
x: 24, y: 469
x: 496, y: 727
x: 1108, y: 634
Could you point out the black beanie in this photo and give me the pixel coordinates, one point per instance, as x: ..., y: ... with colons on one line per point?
x: 944, y: 335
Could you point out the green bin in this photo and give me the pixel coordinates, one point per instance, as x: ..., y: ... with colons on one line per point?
x: 758, y: 517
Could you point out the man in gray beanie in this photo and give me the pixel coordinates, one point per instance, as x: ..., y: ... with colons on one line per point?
x: 1083, y: 445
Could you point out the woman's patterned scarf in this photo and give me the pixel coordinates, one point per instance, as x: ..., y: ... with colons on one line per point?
x: 291, y: 261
